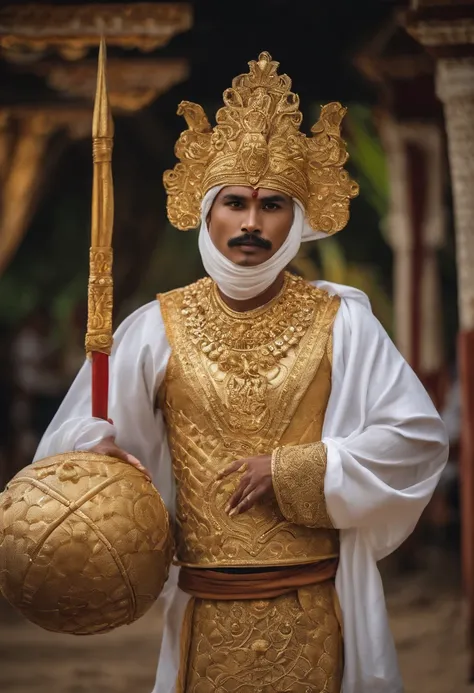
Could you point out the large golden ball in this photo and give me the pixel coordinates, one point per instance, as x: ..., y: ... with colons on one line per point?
x: 85, y: 543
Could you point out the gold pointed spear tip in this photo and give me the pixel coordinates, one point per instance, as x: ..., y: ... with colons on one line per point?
x: 102, y: 123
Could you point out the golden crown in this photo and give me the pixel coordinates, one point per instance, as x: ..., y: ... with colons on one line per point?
x: 257, y: 142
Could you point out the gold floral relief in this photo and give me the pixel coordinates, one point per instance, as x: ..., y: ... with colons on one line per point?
x: 100, y: 301
x: 289, y: 643
x: 248, y: 353
x: 257, y: 142
x: 298, y: 473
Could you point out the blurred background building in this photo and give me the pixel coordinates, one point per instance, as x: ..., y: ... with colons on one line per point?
x: 406, y: 72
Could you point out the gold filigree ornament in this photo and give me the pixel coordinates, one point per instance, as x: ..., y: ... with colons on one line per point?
x: 257, y: 142
x: 247, y: 349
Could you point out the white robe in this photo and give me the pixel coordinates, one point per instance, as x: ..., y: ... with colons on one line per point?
x: 386, y: 448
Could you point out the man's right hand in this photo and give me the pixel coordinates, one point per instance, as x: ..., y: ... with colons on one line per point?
x: 108, y: 447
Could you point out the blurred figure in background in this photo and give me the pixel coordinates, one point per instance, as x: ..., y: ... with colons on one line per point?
x: 40, y: 384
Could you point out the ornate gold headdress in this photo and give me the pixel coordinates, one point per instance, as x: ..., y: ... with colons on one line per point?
x: 257, y: 143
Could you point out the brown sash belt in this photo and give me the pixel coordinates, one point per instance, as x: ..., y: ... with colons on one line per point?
x: 210, y: 584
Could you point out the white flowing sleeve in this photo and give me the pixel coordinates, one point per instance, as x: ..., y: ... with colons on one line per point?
x: 386, y: 448
x: 386, y: 443
x: 138, y: 362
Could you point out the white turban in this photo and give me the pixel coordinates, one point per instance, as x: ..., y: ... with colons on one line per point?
x: 242, y: 283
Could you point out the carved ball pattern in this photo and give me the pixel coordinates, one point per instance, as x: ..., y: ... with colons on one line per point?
x: 85, y: 543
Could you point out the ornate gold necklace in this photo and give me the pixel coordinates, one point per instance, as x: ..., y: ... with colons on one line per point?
x: 247, y: 348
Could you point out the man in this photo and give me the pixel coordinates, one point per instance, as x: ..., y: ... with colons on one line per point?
x: 290, y: 441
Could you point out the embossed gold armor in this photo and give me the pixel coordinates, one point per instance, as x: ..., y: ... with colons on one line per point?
x: 85, y: 543
x: 257, y: 142
x: 239, y: 384
x: 291, y: 643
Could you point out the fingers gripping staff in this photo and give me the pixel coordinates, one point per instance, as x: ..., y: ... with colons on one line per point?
x: 64, y: 562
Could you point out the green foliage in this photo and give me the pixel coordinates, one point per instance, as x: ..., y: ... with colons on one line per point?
x: 368, y: 158
x: 359, y: 255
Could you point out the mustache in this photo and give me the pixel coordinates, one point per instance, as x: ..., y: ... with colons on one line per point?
x: 250, y: 239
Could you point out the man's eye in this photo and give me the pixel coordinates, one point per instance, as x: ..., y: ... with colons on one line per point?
x: 271, y: 206
x: 235, y: 204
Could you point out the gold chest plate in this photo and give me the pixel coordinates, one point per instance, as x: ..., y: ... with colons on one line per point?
x: 241, y: 384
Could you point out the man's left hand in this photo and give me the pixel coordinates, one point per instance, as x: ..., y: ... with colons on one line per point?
x: 255, y: 483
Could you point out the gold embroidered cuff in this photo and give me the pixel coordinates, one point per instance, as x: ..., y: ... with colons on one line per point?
x: 298, y: 479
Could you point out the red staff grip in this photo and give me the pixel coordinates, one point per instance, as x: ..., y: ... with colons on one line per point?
x: 100, y: 385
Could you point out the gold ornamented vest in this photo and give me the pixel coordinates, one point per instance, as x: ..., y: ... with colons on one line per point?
x: 237, y: 385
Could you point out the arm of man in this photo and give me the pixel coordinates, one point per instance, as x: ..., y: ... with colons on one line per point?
x: 386, y: 444
x: 137, y: 364
x: 383, y: 449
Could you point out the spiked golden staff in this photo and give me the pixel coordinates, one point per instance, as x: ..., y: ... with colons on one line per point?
x: 100, y: 293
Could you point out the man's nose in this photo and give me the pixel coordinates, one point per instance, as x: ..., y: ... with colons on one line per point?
x: 251, y: 223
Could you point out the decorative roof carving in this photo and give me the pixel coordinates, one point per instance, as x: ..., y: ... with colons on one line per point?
x: 73, y: 29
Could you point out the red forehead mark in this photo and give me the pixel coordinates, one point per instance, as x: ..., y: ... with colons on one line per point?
x: 254, y: 193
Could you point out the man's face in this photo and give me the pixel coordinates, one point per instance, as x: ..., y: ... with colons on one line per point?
x: 248, y: 226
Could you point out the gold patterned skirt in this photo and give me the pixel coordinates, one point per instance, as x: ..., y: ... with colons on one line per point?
x: 288, y: 644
